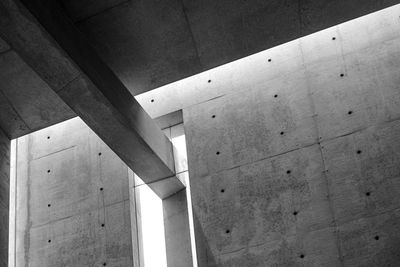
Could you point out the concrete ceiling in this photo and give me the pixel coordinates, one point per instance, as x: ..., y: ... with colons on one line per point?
x: 150, y: 43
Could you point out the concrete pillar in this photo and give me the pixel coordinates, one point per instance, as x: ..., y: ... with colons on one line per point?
x: 177, y: 232
x: 4, y: 196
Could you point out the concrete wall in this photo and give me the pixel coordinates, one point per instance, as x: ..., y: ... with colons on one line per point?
x: 72, y: 200
x: 4, y: 196
x: 297, y: 163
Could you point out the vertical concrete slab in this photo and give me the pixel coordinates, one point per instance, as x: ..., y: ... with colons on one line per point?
x: 4, y: 196
x: 177, y: 232
x: 137, y: 247
x: 325, y: 191
x: 73, y: 199
x: 262, y: 202
x: 13, y: 208
x: 175, y: 208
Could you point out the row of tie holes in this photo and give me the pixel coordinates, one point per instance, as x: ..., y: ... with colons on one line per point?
x: 269, y: 60
x: 49, y: 205
x: 295, y: 213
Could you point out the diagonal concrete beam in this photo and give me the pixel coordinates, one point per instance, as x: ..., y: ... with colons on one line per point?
x: 40, y: 32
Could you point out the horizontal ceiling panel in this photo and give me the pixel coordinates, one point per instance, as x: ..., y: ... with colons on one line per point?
x: 146, y: 43
x: 152, y: 43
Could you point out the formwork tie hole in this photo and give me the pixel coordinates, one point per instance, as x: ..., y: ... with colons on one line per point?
x: 209, y: 81
x: 227, y: 231
x: 341, y: 75
x: 295, y: 213
x: 302, y: 256
x: 152, y: 100
x: 282, y: 133
x: 49, y: 240
x: 222, y: 190
x: 217, y: 153
x: 48, y: 171
x: 49, y: 205
x: 48, y: 137
x: 269, y: 60
x: 288, y: 171
x: 359, y: 151
x: 333, y: 38
x: 99, y: 153
x: 213, y: 116
x: 102, y: 225
x: 101, y: 188
x: 368, y: 194
x: 275, y: 96
x: 350, y: 112
x: 377, y: 237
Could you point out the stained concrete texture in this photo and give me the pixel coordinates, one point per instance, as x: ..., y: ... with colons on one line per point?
x: 72, y: 199
x: 4, y: 196
x: 302, y: 168
x: 152, y: 43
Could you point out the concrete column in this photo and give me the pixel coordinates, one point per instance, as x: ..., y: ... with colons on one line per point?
x: 4, y: 196
x: 177, y: 232
x: 176, y: 208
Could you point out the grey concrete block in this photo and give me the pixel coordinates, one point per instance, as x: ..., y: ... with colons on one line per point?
x: 4, y: 196
x: 77, y: 210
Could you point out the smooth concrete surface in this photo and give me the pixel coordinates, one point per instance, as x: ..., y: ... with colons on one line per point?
x: 80, y: 78
x: 152, y: 43
x: 4, y: 196
x: 73, y: 205
x: 302, y: 169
